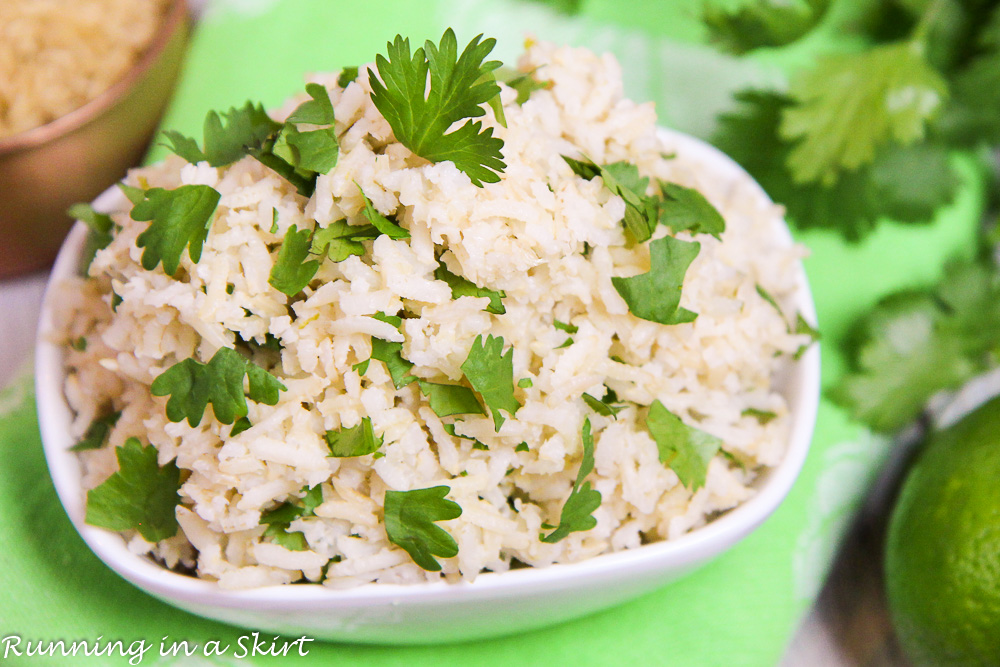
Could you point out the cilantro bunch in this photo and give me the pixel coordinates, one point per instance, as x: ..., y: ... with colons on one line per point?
x: 867, y: 134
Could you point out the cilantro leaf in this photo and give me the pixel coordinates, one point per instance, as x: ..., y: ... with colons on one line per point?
x: 279, y: 518
x: 340, y: 240
x: 849, y: 105
x: 291, y: 273
x: 355, y: 441
x: 380, y: 222
x: 857, y: 200
x: 132, y: 193
x: 97, y: 432
x: 236, y: 133
x: 656, y: 294
x: 577, y: 511
x: 317, y: 111
x: 761, y: 23
x: 140, y: 495
x: 457, y: 89
x: 525, y: 383
x: 450, y: 430
x: 523, y: 82
x: 239, y: 426
x: 179, y: 218
x: 914, y: 344
x: 623, y: 179
x: 391, y: 354
x: 762, y: 416
x: 184, y: 146
x: 562, y: 326
x: 684, y: 449
x: 686, y: 209
x: 461, y: 286
x: 313, y: 151
x: 603, y: 407
x: 491, y: 373
x: 99, y: 236
x: 293, y: 541
x: 192, y: 385
x: 347, y: 75
x: 409, y: 523
x: 450, y: 399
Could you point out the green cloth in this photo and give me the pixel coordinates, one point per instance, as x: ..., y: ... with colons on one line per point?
x: 742, y: 608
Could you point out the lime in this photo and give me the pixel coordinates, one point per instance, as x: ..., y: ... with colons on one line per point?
x: 943, y: 547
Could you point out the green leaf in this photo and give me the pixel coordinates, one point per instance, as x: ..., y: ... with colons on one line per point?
x: 604, y: 408
x: 237, y: 133
x: 656, y: 294
x: 686, y: 209
x: 762, y: 416
x: 133, y: 194
x: 491, y: 373
x: 192, y: 385
x: 850, y: 105
x: 140, y: 495
x: 684, y: 449
x: 380, y: 222
x: 99, y: 236
x: 391, y: 354
x: 420, y: 118
x: 579, y: 507
x: 79, y: 344
x: 461, y: 286
x: 524, y: 383
x: 278, y: 534
x: 476, y: 444
x: 761, y: 23
x: 239, y: 426
x: 291, y: 272
x: 450, y: 399
x: 97, y: 432
x: 179, y: 218
x: 279, y: 518
x: 523, y: 82
x: 340, y: 240
x: 623, y: 179
x: 184, y: 146
x: 562, y: 326
x: 317, y: 111
x: 355, y: 441
x: 314, y: 151
x: 409, y: 523
x: 857, y: 200
x: 346, y: 76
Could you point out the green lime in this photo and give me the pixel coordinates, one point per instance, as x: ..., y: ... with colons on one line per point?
x: 943, y: 548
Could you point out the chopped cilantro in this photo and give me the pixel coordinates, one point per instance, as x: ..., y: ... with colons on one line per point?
x: 317, y: 111
x: 274, y: 221
x: 140, y: 495
x: 409, y: 524
x: 346, y: 76
x: 193, y: 385
x: 450, y: 399
x: 524, y: 383
x: 686, y: 209
x: 312, y: 152
x: 100, y: 225
x: 391, y: 354
x: 684, y: 449
x: 461, y: 286
x: 623, y: 179
x: 278, y: 519
x: 239, y: 426
x: 291, y: 272
x: 178, y: 218
x: 380, y: 222
x: 491, y: 373
x: 97, y: 432
x: 579, y: 507
x: 79, y: 344
x: 523, y: 82
x: 293, y: 541
x: 656, y: 294
x: 763, y: 416
x: 355, y: 441
x: 604, y: 407
x: 764, y: 294
x: 420, y: 118
x: 340, y: 240
x: 565, y: 343
x: 132, y: 193
x: 803, y: 327
x: 562, y: 326
x: 476, y: 444
x: 523, y: 447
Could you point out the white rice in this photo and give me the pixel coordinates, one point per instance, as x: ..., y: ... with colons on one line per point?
x: 519, y: 236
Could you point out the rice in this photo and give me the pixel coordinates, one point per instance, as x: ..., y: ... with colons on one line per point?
x: 57, y: 55
x: 551, y: 241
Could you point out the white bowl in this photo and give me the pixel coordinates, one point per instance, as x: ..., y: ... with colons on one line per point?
x: 494, y: 604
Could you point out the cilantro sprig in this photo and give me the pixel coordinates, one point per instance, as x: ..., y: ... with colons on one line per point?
x: 577, y: 511
x: 192, y: 385
x: 141, y: 495
x: 421, y: 115
x: 656, y: 294
x: 491, y: 373
x: 357, y: 440
x: 179, y: 219
x: 409, y: 523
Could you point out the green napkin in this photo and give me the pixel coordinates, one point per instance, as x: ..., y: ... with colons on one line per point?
x: 741, y: 609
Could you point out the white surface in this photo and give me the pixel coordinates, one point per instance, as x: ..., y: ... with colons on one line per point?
x: 20, y: 303
x: 421, y: 613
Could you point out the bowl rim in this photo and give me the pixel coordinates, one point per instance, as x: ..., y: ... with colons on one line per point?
x: 685, y: 551
x: 177, y: 15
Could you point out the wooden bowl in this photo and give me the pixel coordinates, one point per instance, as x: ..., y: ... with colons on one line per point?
x: 74, y: 158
